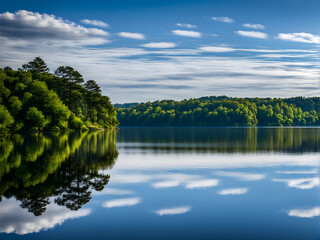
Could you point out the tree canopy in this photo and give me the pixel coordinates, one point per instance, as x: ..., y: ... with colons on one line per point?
x: 223, y: 111
x: 32, y: 98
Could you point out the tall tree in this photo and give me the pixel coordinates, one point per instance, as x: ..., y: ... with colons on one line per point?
x: 37, y: 65
x: 71, y: 81
x: 93, y: 96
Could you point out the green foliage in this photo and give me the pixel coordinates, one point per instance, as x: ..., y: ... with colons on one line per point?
x: 15, y: 105
x: 37, y: 65
x: 75, y: 122
x: 35, y: 118
x: 223, y: 111
x: 6, y: 120
x: 36, y: 99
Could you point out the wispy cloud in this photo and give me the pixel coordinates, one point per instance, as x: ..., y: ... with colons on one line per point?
x: 93, y: 22
x: 305, y: 213
x: 300, y: 183
x: 32, y: 26
x: 137, y: 36
x: 187, y: 25
x: 223, y: 19
x: 242, y: 175
x: 253, y: 25
x: 123, y: 202
x: 173, y: 211
x: 312, y: 171
x: 206, y: 183
x: 252, y: 34
x: 186, y: 33
x: 300, y: 37
x: 159, y: 45
x: 233, y: 191
x: 217, y: 49
x: 229, y: 75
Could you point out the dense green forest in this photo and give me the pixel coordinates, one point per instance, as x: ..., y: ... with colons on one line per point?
x: 32, y: 98
x: 223, y: 111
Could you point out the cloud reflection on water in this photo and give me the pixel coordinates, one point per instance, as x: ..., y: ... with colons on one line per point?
x: 233, y: 191
x: 14, y: 219
x: 305, y: 213
x: 173, y: 211
x: 124, y: 202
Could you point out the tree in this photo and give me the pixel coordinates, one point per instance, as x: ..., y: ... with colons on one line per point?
x: 6, y: 120
x: 71, y: 81
x: 36, y: 118
x: 14, y: 105
x: 93, y: 98
x: 37, y: 65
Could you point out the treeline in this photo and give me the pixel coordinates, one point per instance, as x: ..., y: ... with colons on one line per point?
x: 31, y: 98
x: 224, y: 111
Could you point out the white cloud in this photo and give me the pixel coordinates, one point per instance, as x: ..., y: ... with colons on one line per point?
x: 300, y: 37
x: 27, y: 26
x: 138, y: 36
x: 305, y: 213
x: 300, y: 183
x: 223, y: 19
x: 14, y: 219
x: 202, y: 183
x: 253, y: 34
x: 217, y: 49
x: 173, y: 211
x: 252, y: 25
x: 159, y: 45
x: 187, y: 25
x: 242, y: 175
x: 185, y: 33
x: 93, y: 22
x: 166, y: 184
x: 112, y: 191
x: 233, y: 191
x: 203, y: 75
x: 312, y: 171
x: 123, y: 202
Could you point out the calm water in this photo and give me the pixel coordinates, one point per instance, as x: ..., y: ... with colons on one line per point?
x: 161, y: 183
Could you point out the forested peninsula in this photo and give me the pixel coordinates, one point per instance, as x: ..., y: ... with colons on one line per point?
x: 32, y: 98
x: 222, y: 111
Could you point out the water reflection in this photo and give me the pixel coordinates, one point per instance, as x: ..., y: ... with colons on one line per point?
x: 46, y: 171
x: 227, y: 140
x: 254, y: 181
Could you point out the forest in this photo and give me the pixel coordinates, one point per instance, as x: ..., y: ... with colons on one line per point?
x: 32, y: 98
x: 222, y: 111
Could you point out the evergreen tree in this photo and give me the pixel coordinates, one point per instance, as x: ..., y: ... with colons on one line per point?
x: 37, y: 65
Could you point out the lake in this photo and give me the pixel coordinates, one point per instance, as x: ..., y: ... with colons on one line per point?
x: 161, y: 183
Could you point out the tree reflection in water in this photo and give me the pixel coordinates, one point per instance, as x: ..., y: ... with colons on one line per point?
x: 64, y: 167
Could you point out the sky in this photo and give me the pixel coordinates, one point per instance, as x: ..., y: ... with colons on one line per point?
x: 146, y: 50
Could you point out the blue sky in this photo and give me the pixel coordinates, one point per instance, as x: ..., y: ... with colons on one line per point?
x: 149, y: 50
